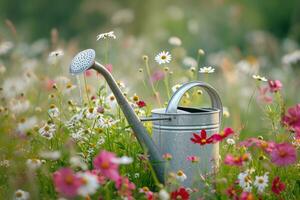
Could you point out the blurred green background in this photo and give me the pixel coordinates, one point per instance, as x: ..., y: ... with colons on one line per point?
x: 214, y: 24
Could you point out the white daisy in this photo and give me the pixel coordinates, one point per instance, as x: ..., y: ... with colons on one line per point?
x: 57, y: 53
x: 230, y: 141
x: 26, y: 124
x: 245, y: 181
x: 5, y: 47
x: 176, y: 87
x: 112, y: 102
x: 291, y: 58
x: 259, y: 78
x: 21, y: 195
x: 207, y: 70
x: 89, y: 184
x: 163, y: 57
x: 91, y: 113
x: 190, y: 62
x: 125, y: 160
x: 175, y: 41
x: 261, y: 182
x: 77, y: 161
x: 106, y: 35
x: 163, y: 195
x: 13, y: 87
x: 19, y: 106
x: 180, y: 176
x: 47, y: 131
x: 55, y: 56
x: 33, y: 163
x: 226, y: 112
x: 78, y: 135
x: 106, y: 122
x: 53, y: 111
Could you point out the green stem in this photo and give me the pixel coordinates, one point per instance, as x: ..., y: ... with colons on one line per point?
x: 86, y: 90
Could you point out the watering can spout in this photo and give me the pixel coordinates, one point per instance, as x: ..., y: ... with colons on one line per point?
x: 86, y: 60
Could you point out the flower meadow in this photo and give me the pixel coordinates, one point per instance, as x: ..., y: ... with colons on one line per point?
x: 65, y: 137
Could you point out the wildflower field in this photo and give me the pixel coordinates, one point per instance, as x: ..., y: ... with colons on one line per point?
x: 63, y: 134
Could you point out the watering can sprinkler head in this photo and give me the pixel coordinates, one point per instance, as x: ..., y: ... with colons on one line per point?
x: 85, y: 60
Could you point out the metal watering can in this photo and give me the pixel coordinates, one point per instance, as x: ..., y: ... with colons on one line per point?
x: 172, y: 128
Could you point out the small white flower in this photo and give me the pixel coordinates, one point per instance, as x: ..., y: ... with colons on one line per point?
x: 245, y: 181
x: 77, y: 161
x: 190, y: 62
x: 230, y: 141
x: 47, y: 131
x: 111, y: 101
x: 54, y: 56
x: 136, y: 175
x: 4, y: 163
x: 291, y: 58
x: 176, y: 41
x: 163, y: 195
x: 51, y: 155
x: 19, y: 106
x: 5, y: 47
x: 53, y: 112
x: 207, y: 70
x: 89, y: 184
x: 180, y: 176
x: 259, y: 78
x: 91, y: 113
x: 21, y: 195
x: 106, y: 35
x: 14, y: 86
x: 27, y: 124
x: 101, y: 141
x: 33, y: 163
x: 176, y: 87
x: 106, y: 122
x: 261, y: 182
x: 78, y: 135
x: 125, y: 160
x: 163, y: 57
x: 226, y: 112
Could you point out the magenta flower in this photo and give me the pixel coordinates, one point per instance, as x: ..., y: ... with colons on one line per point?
x: 283, y: 154
x: 292, y: 118
x: 275, y: 85
x: 125, y: 187
x: 157, y: 76
x: 233, y: 161
x: 193, y: 159
x: 104, y: 162
x: 66, y: 182
x: 297, y: 133
x: 263, y: 95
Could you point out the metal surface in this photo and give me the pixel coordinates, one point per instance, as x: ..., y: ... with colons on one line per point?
x: 82, y: 61
x: 146, y: 119
x: 174, y: 136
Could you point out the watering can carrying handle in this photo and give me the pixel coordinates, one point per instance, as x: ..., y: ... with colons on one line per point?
x: 214, y: 97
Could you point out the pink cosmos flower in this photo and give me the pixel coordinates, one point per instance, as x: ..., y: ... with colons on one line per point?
x: 275, y: 85
x: 66, y: 182
x: 157, y: 76
x: 104, y: 162
x: 109, y: 67
x: 292, y: 118
x: 249, y: 142
x: 193, y: 159
x: 125, y: 187
x: 49, y: 84
x: 233, y: 161
x: 283, y: 154
x: 267, y: 146
x: 101, y: 178
x: 263, y: 95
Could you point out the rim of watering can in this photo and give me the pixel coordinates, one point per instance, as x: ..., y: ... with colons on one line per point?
x: 177, y: 96
x: 162, y: 111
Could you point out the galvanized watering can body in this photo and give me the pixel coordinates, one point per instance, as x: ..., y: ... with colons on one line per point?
x: 173, y: 136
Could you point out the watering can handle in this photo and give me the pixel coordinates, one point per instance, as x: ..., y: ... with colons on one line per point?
x: 214, y: 97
